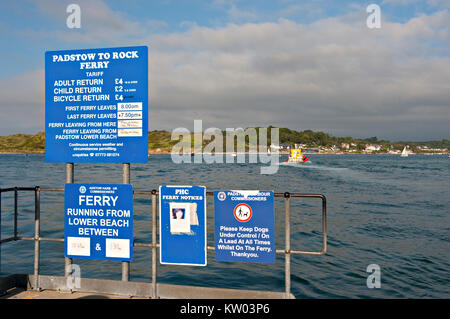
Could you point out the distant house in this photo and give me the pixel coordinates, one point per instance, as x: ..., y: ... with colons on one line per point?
x: 371, y: 148
x: 345, y: 146
x: 276, y: 147
x: 312, y: 150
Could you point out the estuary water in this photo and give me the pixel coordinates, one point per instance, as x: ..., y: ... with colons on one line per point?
x: 382, y: 209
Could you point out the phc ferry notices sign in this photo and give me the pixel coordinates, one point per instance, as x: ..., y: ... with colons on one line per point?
x: 244, y: 226
x: 98, y: 221
x: 182, y: 221
x: 96, y: 105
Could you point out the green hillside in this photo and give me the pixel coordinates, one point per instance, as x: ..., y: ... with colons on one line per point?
x: 160, y: 142
x: 23, y: 143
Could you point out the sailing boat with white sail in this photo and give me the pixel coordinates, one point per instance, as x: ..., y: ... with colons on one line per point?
x: 404, y: 152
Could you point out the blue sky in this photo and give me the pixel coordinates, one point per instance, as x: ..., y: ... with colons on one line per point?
x: 300, y: 64
x: 21, y: 19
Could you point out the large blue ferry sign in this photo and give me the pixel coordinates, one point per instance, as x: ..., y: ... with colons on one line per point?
x: 96, y: 105
x: 98, y: 221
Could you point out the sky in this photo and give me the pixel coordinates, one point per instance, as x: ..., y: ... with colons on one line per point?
x: 310, y: 64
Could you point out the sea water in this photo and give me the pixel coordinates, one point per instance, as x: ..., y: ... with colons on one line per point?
x: 381, y: 209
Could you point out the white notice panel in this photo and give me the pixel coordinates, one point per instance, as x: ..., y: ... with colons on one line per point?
x: 129, y: 132
x: 117, y: 248
x: 80, y: 246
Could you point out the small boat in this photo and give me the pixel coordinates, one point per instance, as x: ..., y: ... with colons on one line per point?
x: 404, y: 152
x: 296, y: 156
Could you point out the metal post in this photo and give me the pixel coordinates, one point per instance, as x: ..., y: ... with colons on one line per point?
x: 287, y: 235
x: 154, y: 251
x: 15, y: 212
x: 324, y: 223
x: 125, y: 180
x: 69, y: 180
x: 37, y: 217
x: 69, y: 172
x: 0, y: 231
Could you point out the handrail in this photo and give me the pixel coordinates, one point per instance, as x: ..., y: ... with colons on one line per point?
x: 287, y: 251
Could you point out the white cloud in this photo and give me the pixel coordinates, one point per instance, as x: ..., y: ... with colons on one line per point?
x: 237, y: 14
x: 335, y: 75
x: 327, y: 75
x: 99, y: 23
x: 441, y: 4
x: 22, y: 103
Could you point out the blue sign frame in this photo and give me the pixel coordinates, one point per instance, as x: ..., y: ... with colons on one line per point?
x: 182, y: 222
x: 96, y: 105
x: 244, y: 226
x: 98, y: 221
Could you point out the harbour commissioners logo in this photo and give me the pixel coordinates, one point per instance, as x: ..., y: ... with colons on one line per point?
x: 221, y: 196
x: 241, y: 146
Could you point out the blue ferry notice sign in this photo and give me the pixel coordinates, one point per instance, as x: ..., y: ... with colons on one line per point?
x: 244, y: 226
x: 98, y: 221
x: 182, y: 222
x: 96, y: 105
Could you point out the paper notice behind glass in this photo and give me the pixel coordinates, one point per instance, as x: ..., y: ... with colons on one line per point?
x: 180, y: 218
x: 194, y: 216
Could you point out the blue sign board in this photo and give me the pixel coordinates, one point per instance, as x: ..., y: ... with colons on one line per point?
x: 182, y: 221
x: 244, y: 226
x: 96, y: 105
x: 98, y: 221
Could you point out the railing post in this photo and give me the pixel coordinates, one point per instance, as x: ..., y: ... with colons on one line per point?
x: 324, y: 223
x: 126, y: 180
x: 69, y: 180
x: 69, y: 172
x: 154, y: 249
x: 287, y: 234
x: 0, y: 231
x: 15, y: 213
x: 37, y: 217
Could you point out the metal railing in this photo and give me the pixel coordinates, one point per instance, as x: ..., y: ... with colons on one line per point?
x: 154, y: 245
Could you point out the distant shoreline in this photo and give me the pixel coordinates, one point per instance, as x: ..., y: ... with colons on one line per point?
x: 223, y: 153
x: 21, y: 152
x: 161, y: 142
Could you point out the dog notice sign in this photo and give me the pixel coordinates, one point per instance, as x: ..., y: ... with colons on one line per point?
x: 244, y: 226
